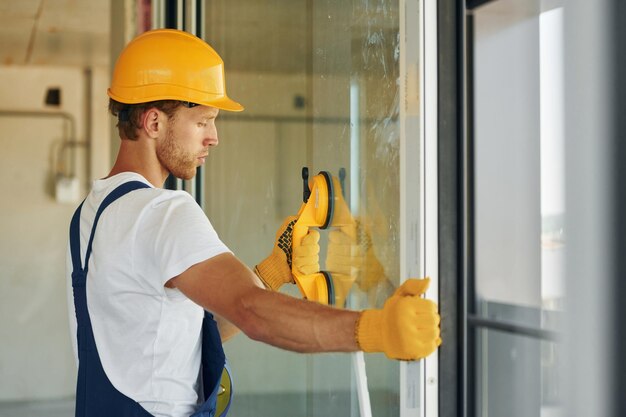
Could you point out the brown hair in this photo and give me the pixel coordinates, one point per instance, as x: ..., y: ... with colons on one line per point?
x: 129, y: 115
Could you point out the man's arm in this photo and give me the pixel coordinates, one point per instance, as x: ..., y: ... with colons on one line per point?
x: 227, y: 329
x: 228, y: 288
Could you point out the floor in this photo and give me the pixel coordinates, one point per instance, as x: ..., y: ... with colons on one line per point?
x: 278, y: 405
x: 245, y: 407
x: 52, y: 408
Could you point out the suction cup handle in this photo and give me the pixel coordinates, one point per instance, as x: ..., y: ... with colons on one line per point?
x: 306, y: 192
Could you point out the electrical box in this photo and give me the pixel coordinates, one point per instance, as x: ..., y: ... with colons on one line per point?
x: 67, y: 189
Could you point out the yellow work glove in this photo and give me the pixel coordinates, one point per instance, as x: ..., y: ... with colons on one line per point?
x: 406, y: 328
x: 350, y: 252
x: 343, y: 255
x: 275, y: 270
x: 343, y: 258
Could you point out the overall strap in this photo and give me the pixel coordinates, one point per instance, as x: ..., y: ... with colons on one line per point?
x: 216, y: 376
x: 95, y: 395
x: 79, y: 273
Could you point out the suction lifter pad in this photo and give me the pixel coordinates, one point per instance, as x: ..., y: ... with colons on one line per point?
x: 331, y: 198
x: 330, y: 287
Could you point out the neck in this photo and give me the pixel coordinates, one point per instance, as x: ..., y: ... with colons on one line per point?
x: 140, y: 156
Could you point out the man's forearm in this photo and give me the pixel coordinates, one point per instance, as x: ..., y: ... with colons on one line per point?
x: 298, y: 325
x: 227, y: 287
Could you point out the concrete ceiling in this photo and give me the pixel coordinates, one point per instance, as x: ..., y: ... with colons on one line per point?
x: 54, y: 32
x: 251, y: 35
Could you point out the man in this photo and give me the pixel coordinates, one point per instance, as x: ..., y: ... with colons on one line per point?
x: 146, y: 263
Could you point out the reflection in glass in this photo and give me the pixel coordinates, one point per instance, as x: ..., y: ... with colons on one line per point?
x: 519, y: 148
x: 518, y: 376
x: 520, y: 206
x: 319, y: 80
x: 552, y: 159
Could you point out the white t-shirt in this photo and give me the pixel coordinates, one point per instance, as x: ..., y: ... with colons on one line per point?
x: 148, y: 336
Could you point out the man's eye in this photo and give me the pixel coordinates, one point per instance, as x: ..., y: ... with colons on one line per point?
x: 201, y: 124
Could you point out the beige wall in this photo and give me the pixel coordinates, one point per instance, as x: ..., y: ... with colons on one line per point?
x: 35, y: 354
x: 253, y: 182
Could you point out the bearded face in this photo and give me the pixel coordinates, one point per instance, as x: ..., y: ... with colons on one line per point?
x: 187, y: 138
x: 178, y: 161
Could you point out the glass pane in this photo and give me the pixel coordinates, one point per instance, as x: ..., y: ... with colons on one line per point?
x: 518, y: 376
x: 519, y: 149
x: 319, y: 80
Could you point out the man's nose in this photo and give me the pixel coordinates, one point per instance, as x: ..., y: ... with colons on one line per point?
x: 211, y: 139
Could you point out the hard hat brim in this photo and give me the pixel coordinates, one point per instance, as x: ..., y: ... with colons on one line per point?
x: 222, y: 103
x: 225, y: 104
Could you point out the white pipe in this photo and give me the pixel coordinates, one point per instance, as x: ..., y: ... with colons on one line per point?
x: 355, y: 146
x: 358, y: 363
x: 358, y: 360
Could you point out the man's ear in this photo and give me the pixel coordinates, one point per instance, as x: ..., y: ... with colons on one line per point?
x: 151, y: 122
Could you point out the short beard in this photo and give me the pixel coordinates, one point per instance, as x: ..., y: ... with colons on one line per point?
x: 179, y: 163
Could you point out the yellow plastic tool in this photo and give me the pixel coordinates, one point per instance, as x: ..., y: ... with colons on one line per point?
x: 323, y: 206
x: 316, y: 211
x: 225, y: 395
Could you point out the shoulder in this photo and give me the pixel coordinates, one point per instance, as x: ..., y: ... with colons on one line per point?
x: 150, y: 198
x: 158, y: 198
x: 168, y: 202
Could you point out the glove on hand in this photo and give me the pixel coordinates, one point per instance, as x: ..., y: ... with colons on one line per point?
x: 275, y: 270
x: 407, y: 327
x: 344, y: 255
x: 350, y: 252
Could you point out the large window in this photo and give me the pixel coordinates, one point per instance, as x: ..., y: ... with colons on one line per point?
x: 517, y: 198
x: 321, y: 84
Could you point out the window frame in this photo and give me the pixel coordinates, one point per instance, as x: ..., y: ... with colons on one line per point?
x: 458, y: 307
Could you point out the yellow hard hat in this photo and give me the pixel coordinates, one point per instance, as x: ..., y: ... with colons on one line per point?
x: 169, y: 64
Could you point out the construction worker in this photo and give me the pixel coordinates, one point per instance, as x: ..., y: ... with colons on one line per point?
x: 146, y: 266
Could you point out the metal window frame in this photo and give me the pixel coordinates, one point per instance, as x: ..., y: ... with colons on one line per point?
x: 419, y: 395
x: 457, y: 355
x: 471, y: 316
x: 595, y: 88
x: 187, y: 15
x: 452, y: 216
x: 429, y: 187
x: 618, y: 238
x: 472, y: 4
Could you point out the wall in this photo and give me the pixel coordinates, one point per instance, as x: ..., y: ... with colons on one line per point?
x: 33, y: 293
x: 36, y: 361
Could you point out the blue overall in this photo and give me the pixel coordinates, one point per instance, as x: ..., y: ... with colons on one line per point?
x: 95, y: 395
